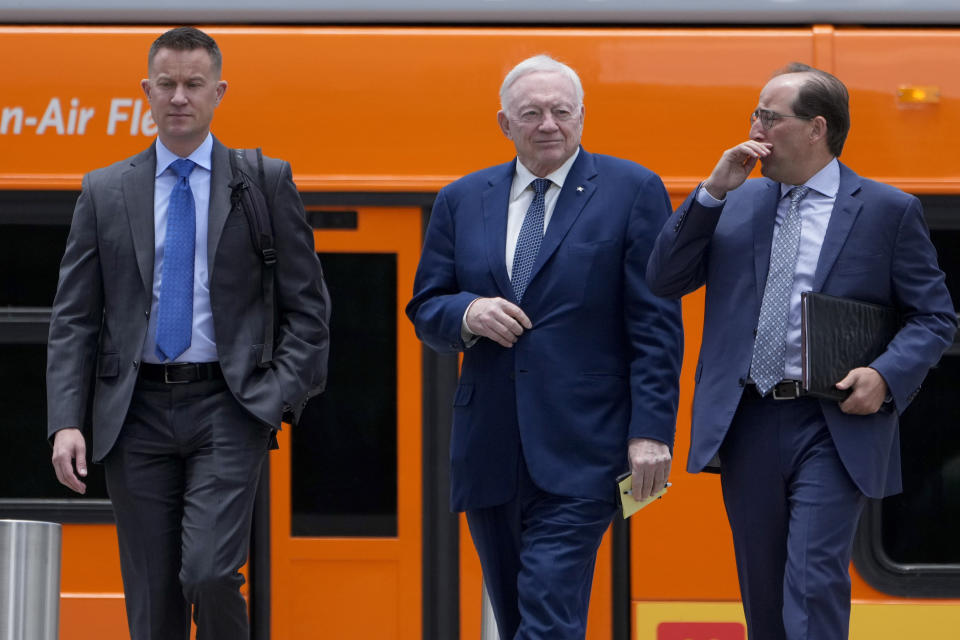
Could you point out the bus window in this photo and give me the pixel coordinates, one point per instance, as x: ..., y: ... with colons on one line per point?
x: 33, y: 233
x: 344, y: 450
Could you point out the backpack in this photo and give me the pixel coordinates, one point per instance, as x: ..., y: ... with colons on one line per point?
x: 250, y: 195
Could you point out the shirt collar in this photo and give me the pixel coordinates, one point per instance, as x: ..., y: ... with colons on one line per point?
x: 201, y: 155
x: 523, y: 176
x: 826, y: 181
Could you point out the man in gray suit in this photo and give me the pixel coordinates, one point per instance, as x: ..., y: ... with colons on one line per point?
x: 160, y: 311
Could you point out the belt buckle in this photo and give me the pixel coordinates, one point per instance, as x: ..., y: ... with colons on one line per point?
x: 786, y: 390
x: 179, y: 366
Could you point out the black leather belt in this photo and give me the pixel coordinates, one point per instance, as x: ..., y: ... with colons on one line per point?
x: 783, y: 390
x: 180, y: 372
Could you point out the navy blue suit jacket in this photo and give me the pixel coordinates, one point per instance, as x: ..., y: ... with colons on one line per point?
x: 600, y: 364
x: 877, y: 249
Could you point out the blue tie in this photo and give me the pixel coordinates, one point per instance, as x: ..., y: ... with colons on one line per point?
x: 175, y: 307
x: 528, y: 242
x: 769, y: 348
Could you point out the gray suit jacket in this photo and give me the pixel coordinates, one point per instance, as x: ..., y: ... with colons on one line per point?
x: 100, y: 313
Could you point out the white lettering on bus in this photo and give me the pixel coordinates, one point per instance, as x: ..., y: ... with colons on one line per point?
x: 140, y: 122
x: 52, y: 117
x: 11, y: 113
x: 75, y: 120
x: 116, y: 115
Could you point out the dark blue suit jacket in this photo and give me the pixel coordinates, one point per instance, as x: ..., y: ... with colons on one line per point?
x: 600, y: 364
x: 877, y: 249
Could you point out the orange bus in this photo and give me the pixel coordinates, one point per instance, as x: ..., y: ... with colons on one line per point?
x: 353, y: 537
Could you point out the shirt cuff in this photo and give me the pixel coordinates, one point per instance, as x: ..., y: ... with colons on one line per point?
x: 469, y: 338
x: 707, y: 200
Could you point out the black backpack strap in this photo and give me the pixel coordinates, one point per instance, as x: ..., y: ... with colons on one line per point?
x: 251, y: 195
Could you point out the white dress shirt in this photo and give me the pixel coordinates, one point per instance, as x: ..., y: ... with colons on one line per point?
x: 521, y: 195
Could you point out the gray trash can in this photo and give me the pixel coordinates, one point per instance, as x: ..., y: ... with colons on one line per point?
x: 29, y: 580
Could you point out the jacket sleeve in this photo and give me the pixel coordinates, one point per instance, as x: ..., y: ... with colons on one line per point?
x: 678, y: 262
x: 654, y: 324
x: 921, y: 294
x: 75, y: 320
x: 438, y: 304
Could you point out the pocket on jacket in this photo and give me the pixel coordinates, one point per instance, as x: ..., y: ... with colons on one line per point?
x: 463, y: 395
x: 108, y: 365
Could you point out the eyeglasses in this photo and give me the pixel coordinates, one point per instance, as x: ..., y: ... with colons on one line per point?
x: 535, y: 116
x: 769, y: 118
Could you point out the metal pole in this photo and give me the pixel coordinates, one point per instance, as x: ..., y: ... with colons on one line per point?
x: 29, y: 580
x: 488, y: 623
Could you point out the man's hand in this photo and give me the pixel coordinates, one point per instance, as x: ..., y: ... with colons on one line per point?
x: 869, y: 391
x: 497, y: 319
x: 68, y: 446
x: 650, y: 464
x: 734, y: 166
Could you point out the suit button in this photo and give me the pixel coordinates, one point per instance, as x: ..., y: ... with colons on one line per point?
x: 135, y: 364
x: 147, y: 313
x: 513, y: 376
x: 741, y: 382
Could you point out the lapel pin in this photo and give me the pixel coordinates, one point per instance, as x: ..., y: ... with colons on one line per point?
x: 580, y: 189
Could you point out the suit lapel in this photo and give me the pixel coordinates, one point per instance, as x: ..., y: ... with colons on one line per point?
x: 220, y: 178
x: 845, y: 212
x: 765, y: 208
x: 493, y: 205
x: 138, y: 187
x: 576, y: 192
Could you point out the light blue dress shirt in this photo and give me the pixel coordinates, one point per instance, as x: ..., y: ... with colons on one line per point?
x: 203, y: 344
x: 815, y: 210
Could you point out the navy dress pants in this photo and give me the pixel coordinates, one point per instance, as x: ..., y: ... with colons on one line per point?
x: 538, y: 553
x: 793, y: 511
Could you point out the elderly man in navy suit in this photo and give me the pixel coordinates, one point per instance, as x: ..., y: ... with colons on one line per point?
x: 534, y: 269
x: 795, y: 470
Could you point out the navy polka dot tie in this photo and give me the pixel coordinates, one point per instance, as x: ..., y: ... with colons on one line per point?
x: 175, y: 307
x: 528, y: 242
x: 769, y: 348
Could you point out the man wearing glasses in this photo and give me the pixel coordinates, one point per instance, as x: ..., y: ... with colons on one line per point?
x: 795, y: 470
x: 534, y: 270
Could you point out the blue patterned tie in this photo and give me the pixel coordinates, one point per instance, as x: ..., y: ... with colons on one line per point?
x: 528, y: 242
x: 175, y: 307
x: 769, y: 348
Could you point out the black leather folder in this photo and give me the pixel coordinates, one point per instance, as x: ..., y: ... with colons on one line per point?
x: 840, y: 334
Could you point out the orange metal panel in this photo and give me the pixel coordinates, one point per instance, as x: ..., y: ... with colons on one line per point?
x: 912, y: 146
x: 93, y: 616
x: 391, y: 108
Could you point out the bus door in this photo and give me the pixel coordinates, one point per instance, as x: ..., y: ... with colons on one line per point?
x: 345, y: 490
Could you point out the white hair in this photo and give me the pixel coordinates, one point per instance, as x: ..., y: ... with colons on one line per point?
x: 540, y: 63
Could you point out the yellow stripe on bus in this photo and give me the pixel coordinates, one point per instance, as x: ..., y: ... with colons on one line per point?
x: 724, y: 620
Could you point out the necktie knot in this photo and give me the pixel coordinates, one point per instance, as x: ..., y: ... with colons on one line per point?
x: 797, y: 194
x: 540, y: 186
x: 183, y: 167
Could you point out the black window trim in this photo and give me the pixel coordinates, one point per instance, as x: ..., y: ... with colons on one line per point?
x: 898, y: 579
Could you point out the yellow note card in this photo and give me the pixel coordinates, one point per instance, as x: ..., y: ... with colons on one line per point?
x: 628, y: 505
